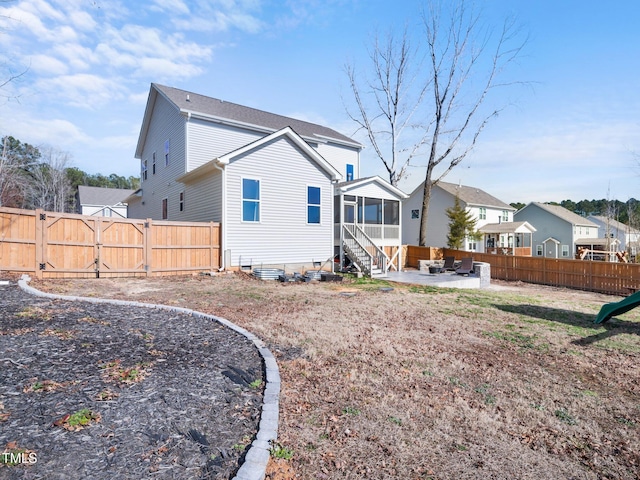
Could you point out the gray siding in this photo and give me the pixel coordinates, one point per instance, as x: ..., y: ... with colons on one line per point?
x: 166, y: 124
x: 282, y: 236
x: 546, y: 225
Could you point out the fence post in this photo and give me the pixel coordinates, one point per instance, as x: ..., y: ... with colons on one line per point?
x: 97, y: 251
x: 40, y: 241
x: 148, y: 246
x: 213, y: 241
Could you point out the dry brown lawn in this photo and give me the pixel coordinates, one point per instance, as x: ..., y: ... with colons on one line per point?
x: 511, y: 382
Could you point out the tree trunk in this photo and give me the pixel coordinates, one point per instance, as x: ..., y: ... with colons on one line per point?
x: 426, y: 199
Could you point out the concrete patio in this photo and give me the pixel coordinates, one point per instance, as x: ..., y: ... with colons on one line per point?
x: 445, y: 280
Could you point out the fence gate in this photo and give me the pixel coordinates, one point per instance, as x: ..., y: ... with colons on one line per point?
x: 90, y: 246
x: 64, y: 245
x: 121, y: 247
x: 69, y: 245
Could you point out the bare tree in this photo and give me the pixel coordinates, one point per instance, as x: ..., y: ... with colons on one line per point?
x: 457, y: 47
x: 49, y: 186
x: 432, y: 97
x: 386, y: 103
x: 16, y: 159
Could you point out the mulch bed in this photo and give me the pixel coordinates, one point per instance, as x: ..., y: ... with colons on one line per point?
x: 108, y: 392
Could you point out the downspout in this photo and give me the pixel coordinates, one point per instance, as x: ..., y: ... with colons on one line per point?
x: 340, y: 227
x: 186, y: 143
x: 223, y: 222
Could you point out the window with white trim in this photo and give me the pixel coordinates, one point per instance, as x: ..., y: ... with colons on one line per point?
x: 539, y: 250
x: 153, y: 164
x: 250, y: 200
x: 313, y: 204
x: 482, y: 214
x: 565, y: 250
x: 166, y: 153
x: 165, y: 208
x: 181, y: 203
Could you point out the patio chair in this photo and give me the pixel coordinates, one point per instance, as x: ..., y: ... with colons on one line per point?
x: 449, y: 264
x: 466, y: 266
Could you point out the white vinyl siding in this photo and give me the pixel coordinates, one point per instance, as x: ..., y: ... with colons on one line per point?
x: 339, y: 156
x: 283, y: 233
x: 204, y: 198
x: 372, y: 190
x: 211, y: 140
x: 167, y: 124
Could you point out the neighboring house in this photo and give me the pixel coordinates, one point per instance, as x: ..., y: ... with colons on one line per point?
x: 628, y: 237
x: 269, y: 180
x: 510, y: 238
x: 559, y: 232
x: 485, y: 208
x: 102, y: 202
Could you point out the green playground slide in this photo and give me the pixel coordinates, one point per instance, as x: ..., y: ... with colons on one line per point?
x: 609, y: 310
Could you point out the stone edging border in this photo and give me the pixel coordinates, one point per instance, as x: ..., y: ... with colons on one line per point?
x: 257, y: 457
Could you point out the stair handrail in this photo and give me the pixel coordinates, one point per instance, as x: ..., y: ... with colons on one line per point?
x: 348, y: 235
x: 364, y: 241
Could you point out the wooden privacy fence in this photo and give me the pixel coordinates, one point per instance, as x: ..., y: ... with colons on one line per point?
x: 605, y: 277
x: 63, y: 245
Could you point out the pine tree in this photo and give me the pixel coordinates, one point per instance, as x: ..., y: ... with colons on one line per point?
x: 461, y: 225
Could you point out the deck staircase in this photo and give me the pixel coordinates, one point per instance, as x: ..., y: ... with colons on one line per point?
x: 367, y: 257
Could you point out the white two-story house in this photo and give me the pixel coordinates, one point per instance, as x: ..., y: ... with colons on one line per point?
x: 483, y: 207
x: 276, y: 184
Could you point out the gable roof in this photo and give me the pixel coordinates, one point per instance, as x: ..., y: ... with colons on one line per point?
x: 345, y: 186
x: 221, y: 111
x: 287, y: 132
x: 621, y: 227
x: 562, y: 213
x: 102, y: 196
x: 507, y: 227
x: 470, y: 195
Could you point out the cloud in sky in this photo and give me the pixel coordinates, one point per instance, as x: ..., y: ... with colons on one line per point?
x: 89, y: 64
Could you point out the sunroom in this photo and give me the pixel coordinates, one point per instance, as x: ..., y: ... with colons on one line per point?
x: 367, y: 225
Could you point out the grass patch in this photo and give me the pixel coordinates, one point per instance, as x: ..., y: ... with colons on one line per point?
x: 78, y: 420
x: 34, y: 312
x: 516, y: 338
x: 565, y: 416
x: 257, y: 383
x: 395, y: 420
x: 277, y: 450
x: 350, y: 411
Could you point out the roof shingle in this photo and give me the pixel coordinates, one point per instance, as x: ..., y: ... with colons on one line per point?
x: 196, y: 103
